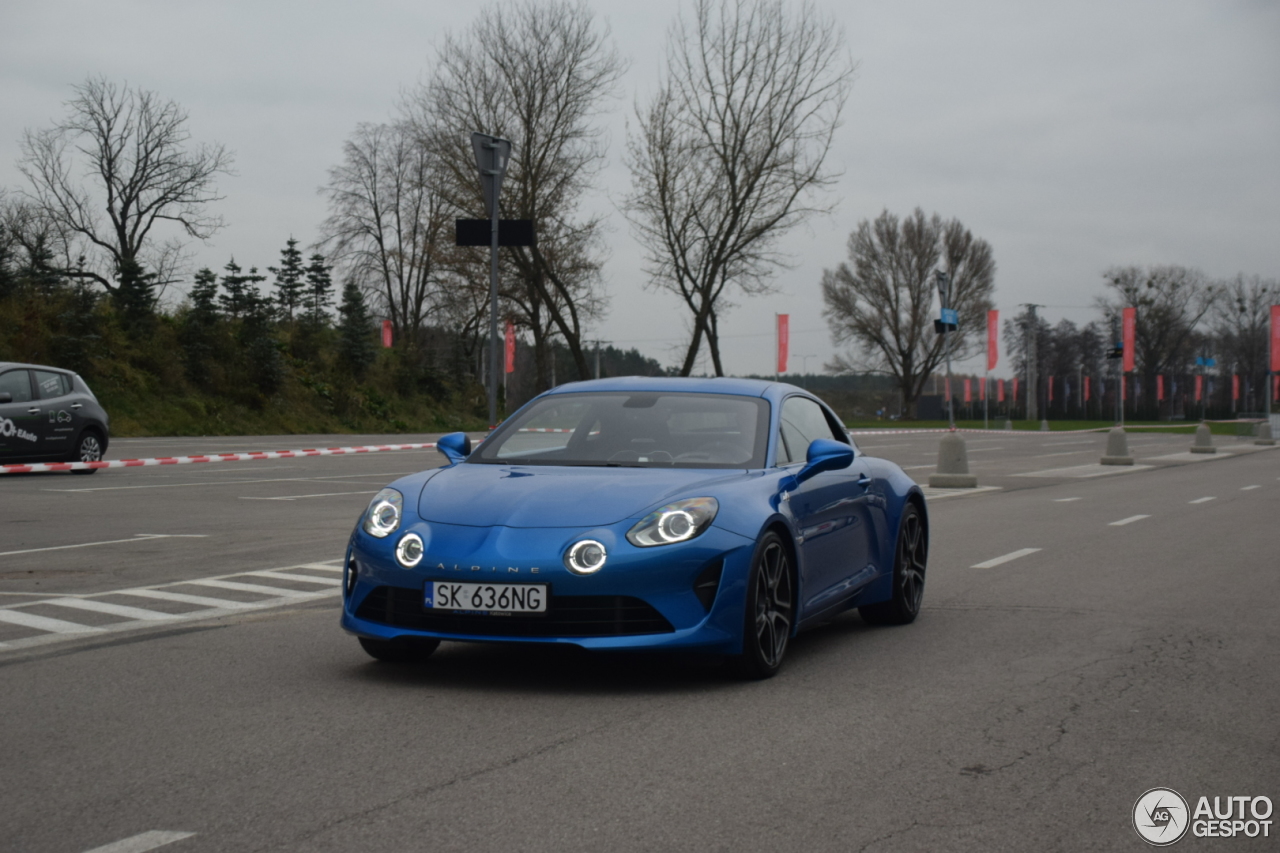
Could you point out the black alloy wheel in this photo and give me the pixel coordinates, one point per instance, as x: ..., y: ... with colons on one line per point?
x: 770, y: 610
x: 88, y: 449
x: 910, y: 558
x: 401, y: 650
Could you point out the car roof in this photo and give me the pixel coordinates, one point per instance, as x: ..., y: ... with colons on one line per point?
x: 683, y: 384
x: 5, y: 365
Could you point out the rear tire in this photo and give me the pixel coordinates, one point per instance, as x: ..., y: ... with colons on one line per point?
x: 909, y: 560
x: 88, y: 449
x: 402, y: 650
x: 769, y: 611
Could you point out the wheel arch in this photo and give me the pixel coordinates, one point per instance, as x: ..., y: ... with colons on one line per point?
x: 85, y: 430
x: 778, y: 525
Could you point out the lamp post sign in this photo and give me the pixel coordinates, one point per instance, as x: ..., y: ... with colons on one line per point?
x: 492, y: 154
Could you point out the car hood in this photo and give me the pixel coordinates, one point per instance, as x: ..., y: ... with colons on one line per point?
x: 484, y: 495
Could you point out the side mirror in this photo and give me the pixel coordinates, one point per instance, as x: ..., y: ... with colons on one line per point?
x: 455, y: 446
x: 6, y: 397
x: 825, y: 454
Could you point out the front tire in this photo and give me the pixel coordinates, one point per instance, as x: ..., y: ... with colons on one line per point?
x: 909, y: 560
x: 88, y: 449
x: 402, y: 650
x: 770, y: 610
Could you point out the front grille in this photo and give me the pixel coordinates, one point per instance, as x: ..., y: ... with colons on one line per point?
x: 566, y: 616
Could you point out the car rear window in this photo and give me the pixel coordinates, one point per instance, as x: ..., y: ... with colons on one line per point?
x: 52, y: 384
x: 632, y: 429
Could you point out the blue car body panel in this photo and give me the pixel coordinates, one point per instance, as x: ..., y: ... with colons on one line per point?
x: 514, y: 523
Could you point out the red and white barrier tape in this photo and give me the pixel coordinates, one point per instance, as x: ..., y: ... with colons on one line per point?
x: 217, y: 457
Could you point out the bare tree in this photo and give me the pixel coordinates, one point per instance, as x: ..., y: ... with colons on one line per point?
x: 731, y: 152
x: 388, y: 226
x: 882, y: 305
x: 1241, y: 318
x: 535, y: 72
x: 1171, y: 302
x: 140, y: 171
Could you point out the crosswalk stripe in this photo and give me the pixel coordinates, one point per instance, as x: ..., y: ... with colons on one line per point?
x: 324, y: 567
x: 112, y: 609
x: 44, y: 623
x: 251, y: 587
x: 285, y: 576
x: 183, y: 598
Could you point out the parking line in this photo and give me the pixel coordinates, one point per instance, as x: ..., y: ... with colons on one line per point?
x: 1130, y: 520
x: 1064, y: 500
x: 1201, y: 500
x: 111, y: 609
x: 1247, y: 488
x: 138, y: 537
x: 285, y: 576
x: 251, y: 587
x: 44, y: 623
x: 142, y: 842
x: 322, y: 495
x: 997, y: 561
x: 183, y: 598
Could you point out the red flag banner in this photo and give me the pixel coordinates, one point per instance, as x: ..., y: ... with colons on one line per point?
x: 968, y: 390
x: 1275, y: 338
x: 1000, y: 391
x: 982, y: 389
x: 1015, y: 389
x: 946, y: 388
x: 1275, y: 388
x: 1050, y: 389
x: 1128, y: 323
x: 784, y: 341
x: 511, y: 347
x: 386, y: 333
x: 1159, y: 389
x: 1124, y: 388
x: 1086, y: 389
x: 1199, y: 387
x: 993, y: 338
x: 1235, y: 386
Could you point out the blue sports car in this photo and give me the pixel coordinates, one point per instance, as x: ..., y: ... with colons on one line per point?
x: 718, y: 515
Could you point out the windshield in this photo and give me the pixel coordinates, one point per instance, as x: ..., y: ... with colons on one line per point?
x: 634, y: 430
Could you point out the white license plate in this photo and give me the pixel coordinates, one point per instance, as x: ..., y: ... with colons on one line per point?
x: 491, y: 598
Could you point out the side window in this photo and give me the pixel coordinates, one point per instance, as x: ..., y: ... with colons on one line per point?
x: 51, y: 384
x: 17, y: 384
x: 803, y: 420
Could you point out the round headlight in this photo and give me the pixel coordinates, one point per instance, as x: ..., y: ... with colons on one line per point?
x: 383, y: 515
x: 676, y: 522
x: 585, y: 558
x: 409, y: 550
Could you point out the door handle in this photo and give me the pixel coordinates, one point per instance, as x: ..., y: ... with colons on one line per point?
x: 76, y: 405
x: 864, y: 480
x: 34, y: 411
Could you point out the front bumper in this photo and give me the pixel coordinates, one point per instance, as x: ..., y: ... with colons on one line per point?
x: 643, y: 598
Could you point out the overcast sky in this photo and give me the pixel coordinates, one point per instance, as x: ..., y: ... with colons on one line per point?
x: 1071, y: 136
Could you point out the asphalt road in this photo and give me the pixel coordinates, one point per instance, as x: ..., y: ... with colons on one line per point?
x: 1086, y: 636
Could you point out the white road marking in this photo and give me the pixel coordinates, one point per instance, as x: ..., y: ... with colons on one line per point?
x: 138, y: 537
x: 1085, y: 471
x: 112, y: 609
x: 914, y: 467
x: 1064, y: 500
x: 324, y: 567
x: 285, y: 576
x: 1202, y: 500
x: 1130, y: 520
x: 1063, y: 453
x: 1065, y: 443
x: 1247, y: 488
x: 985, y: 449
x: 1012, y: 555
x: 183, y: 598
x: 44, y: 623
x: 321, y: 495
x: 142, y: 842
x: 249, y: 587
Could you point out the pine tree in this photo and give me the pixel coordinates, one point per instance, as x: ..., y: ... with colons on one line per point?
x: 135, y: 297
x: 259, y: 345
x: 290, y: 287
x: 199, y: 326
x: 240, y: 289
x: 319, y: 291
x: 356, y: 348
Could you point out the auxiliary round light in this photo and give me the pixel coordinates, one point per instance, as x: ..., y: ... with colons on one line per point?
x: 409, y: 550
x: 585, y: 558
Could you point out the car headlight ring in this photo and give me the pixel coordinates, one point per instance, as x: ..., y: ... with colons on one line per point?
x: 409, y: 550
x: 383, y: 515
x: 585, y: 557
x: 675, y: 522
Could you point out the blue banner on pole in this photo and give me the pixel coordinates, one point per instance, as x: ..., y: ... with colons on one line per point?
x: 950, y: 316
